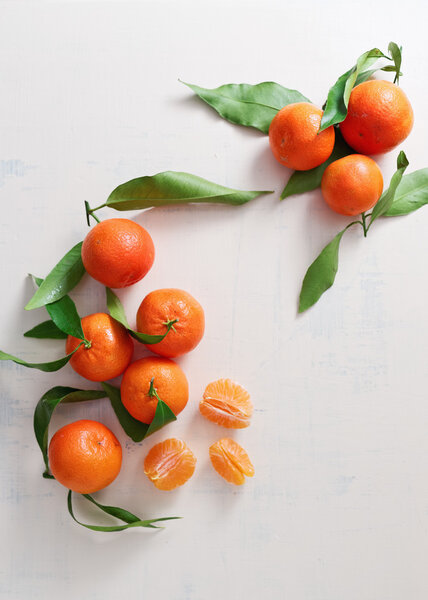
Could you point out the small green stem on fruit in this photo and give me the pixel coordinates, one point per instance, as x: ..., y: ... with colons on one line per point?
x: 152, y: 391
x: 87, y: 343
x: 170, y: 324
x: 364, y: 224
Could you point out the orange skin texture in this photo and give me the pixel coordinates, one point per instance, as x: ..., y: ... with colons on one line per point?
x: 165, y: 305
x: 352, y: 184
x: 110, y: 352
x: 169, y: 464
x: 118, y: 252
x: 168, y: 379
x: 379, y: 117
x: 294, y: 138
x: 231, y: 461
x: 226, y: 403
x: 85, y: 456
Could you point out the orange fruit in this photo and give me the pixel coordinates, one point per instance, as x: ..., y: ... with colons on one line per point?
x: 231, y: 461
x: 352, y: 184
x: 164, y: 307
x: 118, y: 252
x: 169, y: 464
x: 295, y: 139
x: 169, y: 381
x: 110, y: 351
x: 85, y: 456
x: 379, y: 117
x: 226, y: 403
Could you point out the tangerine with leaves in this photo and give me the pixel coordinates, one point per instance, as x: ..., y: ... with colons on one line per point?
x: 169, y: 464
x: 352, y: 184
x: 118, y: 252
x: 231, y: 461
x: 148, y: 379
x: 227, y: 403
x: 85, y: 456
x: 176, y: 309
x: 295, y: 139
x: 379, y: 117
x: 108, y: 352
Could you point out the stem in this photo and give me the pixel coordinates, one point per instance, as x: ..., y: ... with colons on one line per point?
x: 364, y: 224
x: 90, y: 212
x: 170, y: 325
x: 152, y: 391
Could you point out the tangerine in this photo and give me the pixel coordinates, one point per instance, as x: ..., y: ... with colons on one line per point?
x: 118, y: 252
x: 178, y: 310
x: 379, y: 117
x: 231, y: 461
x: 85, y: 456
x: 352, y: 184
x: 169, y: 383
x: 226, y: 403
x: 110, y: 350
x: 295, y: 139
x: 169, y: 464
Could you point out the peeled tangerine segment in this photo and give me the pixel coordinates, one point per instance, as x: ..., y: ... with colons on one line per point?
x: 169, y: 464
x: 227, y: 403
x: 231, y: 461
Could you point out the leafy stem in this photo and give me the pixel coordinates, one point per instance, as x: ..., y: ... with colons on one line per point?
x: 364, y: 224
x: 90, y: 212
x: 152, y: 391
x: 170, y: 324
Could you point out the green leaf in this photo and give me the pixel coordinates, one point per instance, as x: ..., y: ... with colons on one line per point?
x: 48, y: 367
x: 338, y: 96
x: 174, y: 188
x: 395, y: 53
x: 46, y: 406
x: 136, y: 430
x: 117, y: 311
x: 64, y: 314
x: 305, y: 181
x: 129, y: 519
x: 249, y: 105
x: 63, y: 278
x: 411, y: 194
x: 46, y: 330
x: 387, y: 199
x: 321, y: 274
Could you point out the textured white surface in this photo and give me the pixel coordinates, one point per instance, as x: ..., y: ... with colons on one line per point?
x: 338, y: 509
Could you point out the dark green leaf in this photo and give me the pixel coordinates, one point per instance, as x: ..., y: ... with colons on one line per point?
x: 171, y: 187
x: 46, y: 406
x: 129, y: 519
x: 249, y: 105
x: 411, y: 194
x: 46, y: 330
x: 338, y: 96
x: 63, y: 278
x: 117, y: 311
x: 321, y: 274
x: 48, y: 367
x: 386, y: 200
x: 63, y: 313
x: 136, y: 430
x: 305, y: 181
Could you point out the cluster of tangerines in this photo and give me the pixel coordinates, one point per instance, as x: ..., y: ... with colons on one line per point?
x: 379, y: 118
x: 85, y: 456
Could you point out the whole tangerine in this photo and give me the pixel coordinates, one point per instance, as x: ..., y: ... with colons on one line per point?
x: 295, y: 139
x: 379, y: 117
x: 85, y: 456
x: 352, y: 184
x: 110, y: 350
x: 174, y: 309
x: 169, y: 383
x: 118, y: 252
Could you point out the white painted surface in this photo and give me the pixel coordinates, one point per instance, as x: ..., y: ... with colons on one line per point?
x: 338, y: 509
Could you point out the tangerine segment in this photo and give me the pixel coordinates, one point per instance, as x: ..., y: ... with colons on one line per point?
x: 85, y: 456
x: 169, y: 464
x: 171, y: 306
x: 227, y: 403
x: 169, y: 381
x: 231, y: 461
x: 110, y: 351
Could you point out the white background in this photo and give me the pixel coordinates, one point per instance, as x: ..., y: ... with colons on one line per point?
x: 338, y: 509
